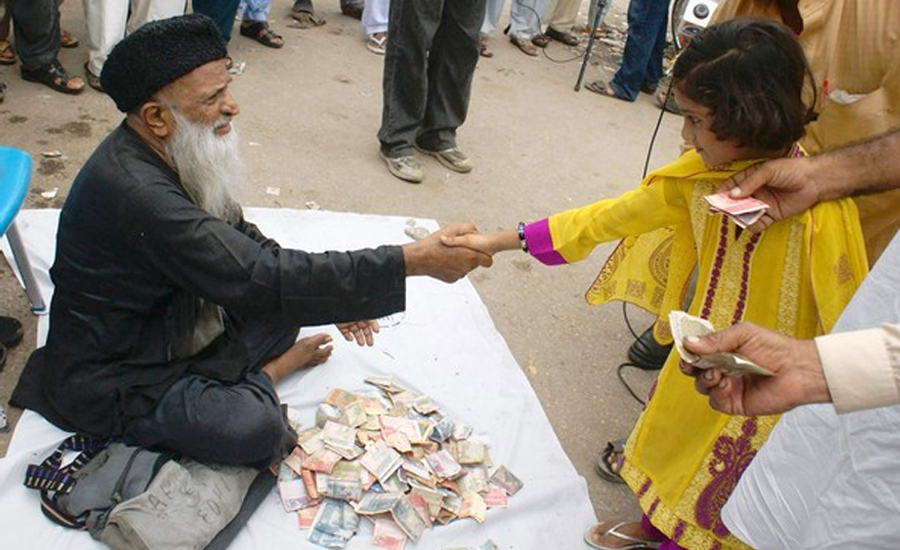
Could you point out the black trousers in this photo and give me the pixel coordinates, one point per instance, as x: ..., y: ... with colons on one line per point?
x: 239, y: 423
x: 432, y: 50
x: 36, y: 28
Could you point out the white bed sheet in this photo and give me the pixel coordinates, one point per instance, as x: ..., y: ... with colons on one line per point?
x: 445, y: 346
x: 825, y: 481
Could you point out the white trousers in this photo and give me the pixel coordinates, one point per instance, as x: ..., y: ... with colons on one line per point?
x: 375, y: 16
x: 108, y: 21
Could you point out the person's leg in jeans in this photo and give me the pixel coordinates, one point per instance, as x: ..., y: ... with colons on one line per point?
x: 412, y: 26
x: 36, y: 27
x: 220, y: 11
x: 654, y: 64
x: 451, y: 66
x: 646, y: 27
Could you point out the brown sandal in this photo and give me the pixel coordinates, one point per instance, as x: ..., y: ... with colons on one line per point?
x: 525, y: 45
x: 541, y: 41
x: 262, y: 33
x: 55, y: 77
x: 7, y: 55
x: 66, y: 40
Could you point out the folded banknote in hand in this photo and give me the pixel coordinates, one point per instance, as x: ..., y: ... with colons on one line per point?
x: 731, y: 364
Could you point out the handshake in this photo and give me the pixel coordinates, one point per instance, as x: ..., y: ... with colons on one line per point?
x: 452, y: 252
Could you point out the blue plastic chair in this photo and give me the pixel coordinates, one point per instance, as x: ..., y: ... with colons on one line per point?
x: 15, y: 173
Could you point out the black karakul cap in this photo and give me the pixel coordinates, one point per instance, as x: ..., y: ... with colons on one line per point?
x: 158, y: 54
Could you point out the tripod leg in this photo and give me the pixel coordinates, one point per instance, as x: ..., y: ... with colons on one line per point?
x: 590, y: 45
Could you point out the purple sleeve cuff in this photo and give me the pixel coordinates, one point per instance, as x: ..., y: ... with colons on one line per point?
x: 540, y: 243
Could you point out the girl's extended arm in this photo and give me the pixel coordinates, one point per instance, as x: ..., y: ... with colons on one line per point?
x: 489, y: 243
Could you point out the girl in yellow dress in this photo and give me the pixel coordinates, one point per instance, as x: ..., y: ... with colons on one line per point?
x: 740, y: 87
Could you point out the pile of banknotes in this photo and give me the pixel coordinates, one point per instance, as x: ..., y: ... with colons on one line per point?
x: 390, y: 456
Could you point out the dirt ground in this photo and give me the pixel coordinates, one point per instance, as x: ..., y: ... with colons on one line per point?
x: 310, y: 112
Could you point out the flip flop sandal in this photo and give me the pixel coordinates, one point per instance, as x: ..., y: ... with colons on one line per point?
x: 376, y: 43
x: 262, y: 33
x: 66, y: 40
x: 53, y: 76
x: 616, y: 539
x: 612, y: 454
x: 541, y: 41
x: 525, y: 45
x: 92, y: 79
x: 7, y: 55
x: 602, y: 88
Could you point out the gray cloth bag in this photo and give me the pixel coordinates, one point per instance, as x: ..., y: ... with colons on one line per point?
x: 117, y: 473
x: 185, y: 506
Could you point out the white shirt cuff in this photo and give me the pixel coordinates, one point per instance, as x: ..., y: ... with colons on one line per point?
x: 860, y: 367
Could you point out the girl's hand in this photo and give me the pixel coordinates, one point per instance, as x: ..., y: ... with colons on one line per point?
x: 361, y: 331
x: 487, y: 243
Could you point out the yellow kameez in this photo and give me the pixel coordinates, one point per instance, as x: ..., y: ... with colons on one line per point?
x: 683, y: 459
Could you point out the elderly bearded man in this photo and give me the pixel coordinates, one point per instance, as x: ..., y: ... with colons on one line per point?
x: 173, y: 318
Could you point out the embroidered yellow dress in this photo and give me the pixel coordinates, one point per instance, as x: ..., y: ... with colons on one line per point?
x: 683, y: 459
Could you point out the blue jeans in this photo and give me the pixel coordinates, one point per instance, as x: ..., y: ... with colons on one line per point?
x: 36, y: 27
x: 432, y: 50
x: 642, y: 61
x: 256, y: 10
x: 220, y: 11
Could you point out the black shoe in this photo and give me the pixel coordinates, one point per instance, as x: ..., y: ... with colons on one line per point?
x: 10, y: 331
x: 646, y: 353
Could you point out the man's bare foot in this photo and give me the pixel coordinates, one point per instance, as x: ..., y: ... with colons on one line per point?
x: 307, y: 352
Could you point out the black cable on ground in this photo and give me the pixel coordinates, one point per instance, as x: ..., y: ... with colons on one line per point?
x: 662, y: 112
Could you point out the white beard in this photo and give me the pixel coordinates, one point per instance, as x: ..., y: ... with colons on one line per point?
x: 209, y: 165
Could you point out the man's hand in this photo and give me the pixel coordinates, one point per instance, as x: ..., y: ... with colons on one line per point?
x: 798, y: 379
x: 362, y: 331
x: 431, y: 257
x: 786, y: 185
x: 489, y: 243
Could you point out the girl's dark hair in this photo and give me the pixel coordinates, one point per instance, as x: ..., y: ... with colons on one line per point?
x: 750, y: 74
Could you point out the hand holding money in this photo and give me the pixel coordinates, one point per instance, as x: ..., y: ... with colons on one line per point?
x: 799, y: 376
x: 730, y: 364
x: 744, y: 211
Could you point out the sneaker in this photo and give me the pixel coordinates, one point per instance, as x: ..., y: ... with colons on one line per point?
x: 406, y: 168
x: 452, y: 158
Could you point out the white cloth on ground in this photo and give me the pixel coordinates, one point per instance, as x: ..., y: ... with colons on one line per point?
x: 826, y: 481
x: 445, y: 346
